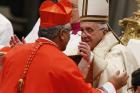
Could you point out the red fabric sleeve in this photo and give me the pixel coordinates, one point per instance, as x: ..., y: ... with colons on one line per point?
x: 5, y: 49
x: 70, y: 80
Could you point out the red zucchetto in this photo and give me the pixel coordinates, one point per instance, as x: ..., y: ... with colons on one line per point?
x: 55, y: 13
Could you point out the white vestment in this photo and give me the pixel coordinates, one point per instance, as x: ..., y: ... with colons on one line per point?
x: 114, y: 58
x: 6, y: 31
x: 109, y: 57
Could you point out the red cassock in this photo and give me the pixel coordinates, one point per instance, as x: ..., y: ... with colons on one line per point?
x: 51, y: 71
x: 5, y: 49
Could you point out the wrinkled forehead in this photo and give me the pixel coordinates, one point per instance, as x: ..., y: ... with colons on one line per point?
x: 88, y: 24
x: 94, y: 25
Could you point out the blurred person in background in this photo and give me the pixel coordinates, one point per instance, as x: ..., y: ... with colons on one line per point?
x: 6, y: 31
x: 135, y: 82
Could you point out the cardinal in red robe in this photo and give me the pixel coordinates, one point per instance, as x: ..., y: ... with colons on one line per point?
x: 41, y: 67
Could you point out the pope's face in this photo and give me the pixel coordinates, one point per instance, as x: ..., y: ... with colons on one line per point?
x: 91, y: 33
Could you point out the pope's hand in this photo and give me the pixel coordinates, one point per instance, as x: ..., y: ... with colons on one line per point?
x: 119, y: 79
x: 84, y: 49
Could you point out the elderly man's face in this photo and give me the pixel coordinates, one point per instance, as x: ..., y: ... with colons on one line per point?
x: 91, y: 33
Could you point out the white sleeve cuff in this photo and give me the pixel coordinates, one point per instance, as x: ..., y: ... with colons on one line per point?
x: 108, y: 88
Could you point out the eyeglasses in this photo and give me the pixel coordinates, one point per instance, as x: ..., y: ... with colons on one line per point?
x: 88, y: 30
x: 80, y: 33
x: 91, y: 31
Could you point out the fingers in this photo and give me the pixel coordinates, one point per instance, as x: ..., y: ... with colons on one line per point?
x: 11, y: 43
x: 84, y: 55
x: 119, y: 79
x: 84, y: 44
x: 14, y: 41
x: 23, y: 40
x: 16, y: 38
x: 125, y: 77
x: 84, y: 48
